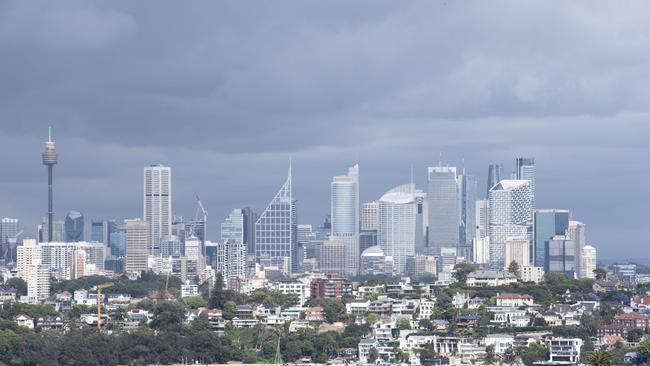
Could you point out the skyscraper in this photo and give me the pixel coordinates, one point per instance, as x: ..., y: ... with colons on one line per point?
x: 509, y: 214
x: 101, y: 231
x: 468, y: 191
x: 561, y: 255
x: 369, y: 216
x: 9, y: 228
x: 495, y: 174
x: 137, y: 245
x: 525, y: 170
x: 546, y: 225
x: 577, y: 232
x: 516, y: 250
x: 157, y: 204
x: 232, y: 228
x: 74, y: 227
x: 588, y: 264
x: 250, y: 218
x: 50, y: 158
x: 274, y: 230
x: 444, y: 207
x: 396, y: 232
x: 345, y: 217
x: 117, y: 241
x: 231, y: 260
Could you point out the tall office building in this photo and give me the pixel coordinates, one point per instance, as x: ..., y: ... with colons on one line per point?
x: 117, y: 241
x: 468, y: 192
x: 74, y: 227
x: 444, y: 209
x: 345, y: 217
x: 369, y: 216
x: 495, y: 175
x: 137, y: 245
x: 588, y: 264
x: 517, y: 250
x: 509, y: 214
x: 481, y: 218
x: 396, y: 231
x: 157, y: 204
x: 577, y: 232
x: 546, y: 225
x: 250, y: 218
x: 50, y: 158
x: 525, y: 170
x: 232, y: 228
x: 58, y: 234
x: 9, y: 228
x: 275, y: 230
x: 101, y: 231
x: 305, y: 234
x: 332, y: 256
x: 561, y: 255
x: 170, y: 246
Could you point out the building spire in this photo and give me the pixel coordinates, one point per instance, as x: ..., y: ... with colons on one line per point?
x: 49, y: 134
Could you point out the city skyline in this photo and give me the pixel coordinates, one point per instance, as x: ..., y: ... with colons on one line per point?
x: 385, y: 88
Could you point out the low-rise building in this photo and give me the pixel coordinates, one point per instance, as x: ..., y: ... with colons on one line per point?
x: 490, y: 278
x: 514, y: 300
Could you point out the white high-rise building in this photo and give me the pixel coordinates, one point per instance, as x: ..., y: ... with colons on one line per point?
x: 517, y: 250
x: 444, y: 209
x: 369, y: 216
x: 481, y: 250
x: 577, y: 233
x: 38, y: 283
x: 482, y: 218
x: 525, y: 170
x: 509, y: 215
x: 345, y: 217
x: 157, y: 204
x: 231, y: 260
x: 137, y: 245
x: 28, y: 254
x: 397, y: 225
x: 588, y: 262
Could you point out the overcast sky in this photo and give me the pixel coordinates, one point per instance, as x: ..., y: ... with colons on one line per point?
x: 225, y: 92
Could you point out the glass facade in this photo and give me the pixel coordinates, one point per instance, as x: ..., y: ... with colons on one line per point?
x: 444, y: 209
x: 495, y: 174
x: 397, y: 225
x: 509, y: 214
x: 274, y: 230
x: 232, y: 228
x: 546, y: 225
x: 74, y: 227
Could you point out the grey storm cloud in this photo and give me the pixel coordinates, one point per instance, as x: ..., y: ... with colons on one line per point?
x: 226, y: 91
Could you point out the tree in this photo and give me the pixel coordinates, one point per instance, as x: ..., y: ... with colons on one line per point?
x: 599, y: 358
x: 461, y: 270
x: 534, y: 352
x: 218, y: 299
x: 635, y: 335
x: 19, y: 284
x: 168, y: 315
x: 427, y: 353
x: 372, y: 318
x: 403, y: 323
x: 195, y: 302
x: 514, y: 268
x: 601, y: 273
x: 490, y: 355
x: 373, y: 355
x: 643, y: 351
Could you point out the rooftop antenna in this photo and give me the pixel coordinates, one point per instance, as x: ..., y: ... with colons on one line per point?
x: 462, y: 159
x: 290, y: 158
x: 49, y: 133
x: 440, y: 159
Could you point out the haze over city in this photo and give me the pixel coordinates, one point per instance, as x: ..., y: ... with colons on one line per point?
x: 226, y: 101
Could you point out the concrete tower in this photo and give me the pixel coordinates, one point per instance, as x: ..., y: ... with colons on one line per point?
x: 50, y: 158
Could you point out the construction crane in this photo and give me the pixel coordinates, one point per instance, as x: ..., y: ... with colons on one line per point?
x: 99, y: 303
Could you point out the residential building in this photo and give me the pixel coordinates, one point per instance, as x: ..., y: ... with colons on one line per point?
x: 514, y: 300
x: 157, y: 204
x: 231, y: 260
x: 28, y: 254
x: 564, y: 350
x: 491, y: 278
x: 396, y: 234
x: 38, y: 283
x: 531, y: 274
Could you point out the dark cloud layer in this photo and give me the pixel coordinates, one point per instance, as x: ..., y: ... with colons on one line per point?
x: 226, y: 91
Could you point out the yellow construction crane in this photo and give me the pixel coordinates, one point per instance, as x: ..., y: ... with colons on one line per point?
x: 99, y: 303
